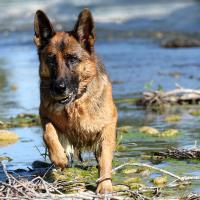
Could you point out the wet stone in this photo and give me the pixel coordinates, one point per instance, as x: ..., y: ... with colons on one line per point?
x: 149, y: 130
x: 2, y: 158
x: 160, y: 180
x: 7, y: 137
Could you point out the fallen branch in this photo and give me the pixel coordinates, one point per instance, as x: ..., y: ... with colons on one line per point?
x: 179, y: 96
x: 148, y: 166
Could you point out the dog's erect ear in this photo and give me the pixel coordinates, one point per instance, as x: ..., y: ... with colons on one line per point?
x: 43, y: 29
x: 84, y: 30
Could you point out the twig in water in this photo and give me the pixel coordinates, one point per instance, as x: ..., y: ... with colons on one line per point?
x: 148, y: 166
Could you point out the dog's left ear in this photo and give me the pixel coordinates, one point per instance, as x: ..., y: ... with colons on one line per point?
x: 43, y: 29
x: 84, y: 30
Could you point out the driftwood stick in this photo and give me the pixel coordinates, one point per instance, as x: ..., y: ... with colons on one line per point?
x: 189, y: 178
x: 148, y: 166
x: 176, y: 96
x: 181, y: 90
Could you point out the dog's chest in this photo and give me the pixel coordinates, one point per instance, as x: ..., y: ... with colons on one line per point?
x: 78, y: 123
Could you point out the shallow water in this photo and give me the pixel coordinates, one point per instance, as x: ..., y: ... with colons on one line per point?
x: 131, y: 59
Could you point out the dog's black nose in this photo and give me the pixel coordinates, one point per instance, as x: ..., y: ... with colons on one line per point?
x: 60, y: 86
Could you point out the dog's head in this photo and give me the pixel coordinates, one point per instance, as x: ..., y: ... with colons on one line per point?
x: 67, y: 59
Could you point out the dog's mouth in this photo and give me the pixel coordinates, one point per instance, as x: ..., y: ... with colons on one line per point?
x: 65, y: 99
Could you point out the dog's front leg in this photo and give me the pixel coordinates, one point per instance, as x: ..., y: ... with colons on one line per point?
x: 104, y: 158
x: 56, y: 151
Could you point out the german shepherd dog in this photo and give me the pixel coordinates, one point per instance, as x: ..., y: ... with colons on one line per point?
x: 76, y: 104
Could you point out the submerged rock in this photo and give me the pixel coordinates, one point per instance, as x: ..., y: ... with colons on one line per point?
x: 7, y: 137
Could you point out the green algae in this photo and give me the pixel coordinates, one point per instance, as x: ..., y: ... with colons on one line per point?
x: 155, y: 132
x: 77, y: 178
x: 120, y: 187
x: 21, y: 120
x: 195, y: 113
x: 124, y: 129
x: 131, y: 180
x: 172, y: 118
x: 129, y: 171
x: 169, y: 133
x: 130, y: 100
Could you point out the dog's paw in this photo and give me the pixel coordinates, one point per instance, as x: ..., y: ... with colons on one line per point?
x: 104, y: 187
x: 59, y: 160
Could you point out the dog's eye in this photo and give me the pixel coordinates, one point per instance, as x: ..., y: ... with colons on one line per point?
x: 51, y: 60
x: 71, y: 60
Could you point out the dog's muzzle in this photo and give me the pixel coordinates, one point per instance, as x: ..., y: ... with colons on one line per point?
x: 62, y: 93
x: 65, y: 98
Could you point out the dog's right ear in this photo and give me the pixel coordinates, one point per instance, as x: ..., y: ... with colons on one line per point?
x: 43, y: 29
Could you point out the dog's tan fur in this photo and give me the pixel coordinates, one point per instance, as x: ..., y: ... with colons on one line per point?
x: 89, y: 122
